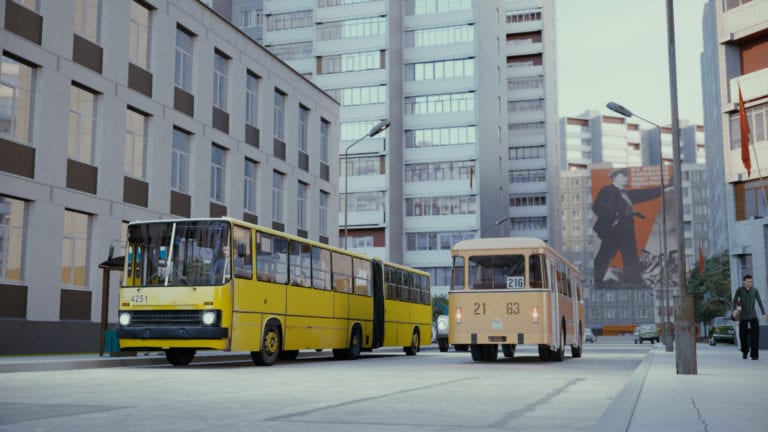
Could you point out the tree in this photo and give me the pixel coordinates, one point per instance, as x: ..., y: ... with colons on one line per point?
x: 712, y: 289
x: 439, y: 305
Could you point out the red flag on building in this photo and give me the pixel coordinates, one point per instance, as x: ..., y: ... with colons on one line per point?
x: 744, y: 124
x: 701, y: 259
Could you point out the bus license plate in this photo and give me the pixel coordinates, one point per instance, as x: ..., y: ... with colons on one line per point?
x: 496, y: 325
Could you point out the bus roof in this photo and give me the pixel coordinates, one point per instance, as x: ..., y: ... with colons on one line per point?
x: 500, y: 243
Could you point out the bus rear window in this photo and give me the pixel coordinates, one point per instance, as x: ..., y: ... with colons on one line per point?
x: 497, y: 272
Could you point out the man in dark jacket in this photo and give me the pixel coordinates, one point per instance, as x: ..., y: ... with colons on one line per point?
x: 749, y: 330
x: 615, y: 226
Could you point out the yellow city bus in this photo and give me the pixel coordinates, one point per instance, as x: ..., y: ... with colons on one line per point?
x: 224, y: 284
x: 512, y: 291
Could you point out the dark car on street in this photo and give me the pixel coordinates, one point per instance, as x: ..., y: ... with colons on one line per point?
x: 722, y: 331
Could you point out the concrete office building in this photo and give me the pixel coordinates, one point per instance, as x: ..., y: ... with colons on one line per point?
x: 99, y: 127
x: 736, y: 40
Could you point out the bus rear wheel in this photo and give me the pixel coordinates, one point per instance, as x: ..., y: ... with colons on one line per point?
x: 270, y: 347
x: 415, y: 344
x: 180, y: 356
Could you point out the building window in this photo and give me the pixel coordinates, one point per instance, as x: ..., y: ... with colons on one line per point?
x: 135, y: 144
x: 251, y: 99
x: 279, y: 109
x: 289, y: 20
x: 87, y: 13
x: 251, y: 18
x: 220, y: 66
x: 354, y: 96
x: 183, y: 76
x: 13, y: 231
x: 303, y: 133
x: 138, y: 47
x: 363, y: 166
x: 301, y: 211
x: 180, y: 161
x: 463, y: 135
x: 440, y: 206
x: 444, y: 69
x: 218, y: 169
x: 440, y: 36
x: 74, y: 249
x: 425, y: 241
x: 438, y: 171
x: 324, y: 127
x: 324, y: 198
x: 758, y: 125
x: 17, y: 81
x: 528, y: 152
x: 249, y: 186
x: 277, y: 196
x: 353, y: 62
x: 421, y: 7
x: 524, y: 15
x: 441, y: 103
x: 365, y: 201
x: 355, y: 28
x: 82, y: 124
x: 292, y: 51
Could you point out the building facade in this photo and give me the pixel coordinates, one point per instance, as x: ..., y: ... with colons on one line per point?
x: 99, y: 128
x: 736, y: 36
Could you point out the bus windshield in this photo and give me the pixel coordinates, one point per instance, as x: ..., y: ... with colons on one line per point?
x: 178, y: 253
x: 497, y: 272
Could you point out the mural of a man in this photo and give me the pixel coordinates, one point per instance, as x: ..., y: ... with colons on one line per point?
x: 615, y: 226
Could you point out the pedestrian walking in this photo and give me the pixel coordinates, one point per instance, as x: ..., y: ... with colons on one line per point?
x: 749, y: 329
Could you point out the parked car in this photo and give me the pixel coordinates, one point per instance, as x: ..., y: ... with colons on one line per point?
x: 442, y: 332
x: 722, y: 331
x: 646, y: 332
x: 589, y: 336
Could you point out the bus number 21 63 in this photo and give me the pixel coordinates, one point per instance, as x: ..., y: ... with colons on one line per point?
x: 513, y: 308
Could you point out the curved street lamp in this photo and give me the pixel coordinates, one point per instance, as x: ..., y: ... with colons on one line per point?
x: 380, y: 127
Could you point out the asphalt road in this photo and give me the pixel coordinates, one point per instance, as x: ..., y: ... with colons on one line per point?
x: 382, y: 391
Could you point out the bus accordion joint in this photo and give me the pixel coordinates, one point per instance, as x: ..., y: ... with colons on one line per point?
x: 535, y: 314
x: 458, y: 315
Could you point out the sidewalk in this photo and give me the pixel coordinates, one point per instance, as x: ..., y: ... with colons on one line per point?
x: 727, y: 394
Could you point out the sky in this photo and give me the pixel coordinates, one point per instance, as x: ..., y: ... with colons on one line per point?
x: 616, y: 50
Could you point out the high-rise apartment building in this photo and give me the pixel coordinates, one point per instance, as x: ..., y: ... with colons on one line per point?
x: 473, y: 145
x: 736, y: 40
x: 98, y: 128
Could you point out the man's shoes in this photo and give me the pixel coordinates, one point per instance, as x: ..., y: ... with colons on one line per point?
x: 744, y: 356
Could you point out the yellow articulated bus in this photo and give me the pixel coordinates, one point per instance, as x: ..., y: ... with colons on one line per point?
x: 224, y: 284
x: 512, y: 291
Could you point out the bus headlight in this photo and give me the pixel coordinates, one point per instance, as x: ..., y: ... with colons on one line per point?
x: 125, y: 318
x: 458, y: 315
x: 535, y: 314
x: 209, y: 317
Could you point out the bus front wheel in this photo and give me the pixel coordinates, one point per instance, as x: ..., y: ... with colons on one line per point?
x: 270, y: 347
x: 415, y: 344
x: 355, y: 346
x: 442, y: 344
x: 180, y: 356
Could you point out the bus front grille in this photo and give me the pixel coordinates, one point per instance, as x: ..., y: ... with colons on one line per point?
x: 166, y: 318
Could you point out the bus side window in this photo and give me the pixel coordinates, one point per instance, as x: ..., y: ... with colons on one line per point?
x: 243, y: 256
x: 535, y: 274
x: 263, y: 257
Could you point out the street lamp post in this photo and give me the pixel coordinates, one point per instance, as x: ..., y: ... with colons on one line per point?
x: 613, y: 106
x: 380, y: 127
x: 498, y: 222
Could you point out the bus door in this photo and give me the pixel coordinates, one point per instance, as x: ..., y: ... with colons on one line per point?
x: 554, y: 297
x: 378, y: 303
